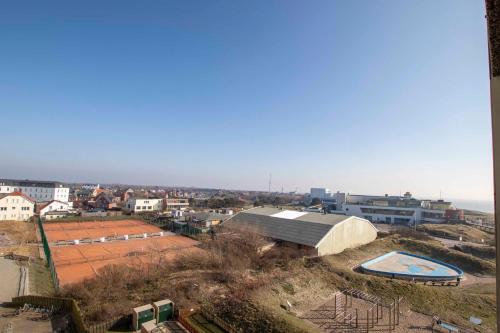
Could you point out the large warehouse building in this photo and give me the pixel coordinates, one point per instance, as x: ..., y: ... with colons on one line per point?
x: 326, y: 233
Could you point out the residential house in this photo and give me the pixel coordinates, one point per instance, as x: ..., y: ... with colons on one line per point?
x: 139, y: 205
x: 16, y: 206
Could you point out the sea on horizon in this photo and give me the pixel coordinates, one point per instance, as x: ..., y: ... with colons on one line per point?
x: 486, y: 206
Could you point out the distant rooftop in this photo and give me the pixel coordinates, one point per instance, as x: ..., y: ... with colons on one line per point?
x: 30, y: 183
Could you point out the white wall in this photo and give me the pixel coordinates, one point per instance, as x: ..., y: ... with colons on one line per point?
x: 39, y: 193
x: 16, y: 208
x: 144, y: 205
x: 54, y: 206
x: 348, y: 234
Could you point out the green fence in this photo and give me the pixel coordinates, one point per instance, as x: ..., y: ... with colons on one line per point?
x: 48, y: 255
x: 70, y: 305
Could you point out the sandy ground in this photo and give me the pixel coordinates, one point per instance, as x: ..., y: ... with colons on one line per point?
x: 10, y: 279
x: 22, y: 323
x: 473, y: 279
x: 409, y: 321
x: 30, y: 321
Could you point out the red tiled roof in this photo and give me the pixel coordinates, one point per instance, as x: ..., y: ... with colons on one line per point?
x: 19, y: 194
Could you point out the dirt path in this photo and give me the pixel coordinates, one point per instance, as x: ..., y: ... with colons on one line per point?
x: 10, y: 279
x: 474, y: 280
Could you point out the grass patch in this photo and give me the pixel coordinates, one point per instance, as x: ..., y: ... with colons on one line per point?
x: 464, y: 261
x: 40, y: 280
x: 288, y: 288
x: 19, y: 231
x: 202, y: 325
x: 483, y: 252
x: 455, y: 231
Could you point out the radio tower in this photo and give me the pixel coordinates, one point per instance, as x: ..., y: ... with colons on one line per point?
x: 270, y: 177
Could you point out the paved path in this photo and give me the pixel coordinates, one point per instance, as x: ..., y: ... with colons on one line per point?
x: 10, y: 279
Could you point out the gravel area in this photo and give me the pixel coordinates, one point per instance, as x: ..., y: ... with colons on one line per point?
x: 10, y: 279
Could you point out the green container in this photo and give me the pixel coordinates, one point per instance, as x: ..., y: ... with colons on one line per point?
x: 143, y: 314
x: 164, y: 310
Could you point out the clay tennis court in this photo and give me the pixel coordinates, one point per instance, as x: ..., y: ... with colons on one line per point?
x: 67, y: 231
x: 74, y: 263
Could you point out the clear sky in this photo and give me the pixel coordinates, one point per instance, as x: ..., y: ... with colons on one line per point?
x: 364, y: 97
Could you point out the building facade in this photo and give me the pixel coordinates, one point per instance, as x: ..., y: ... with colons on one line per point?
x: 176, y: 203
x: 37, y: 190
x: 320, y: 193
x: 404, y: 210
x: 16, y: 207
x: 138, y: 205
x: 54, y: 206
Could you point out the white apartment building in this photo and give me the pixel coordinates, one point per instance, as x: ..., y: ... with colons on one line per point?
x: 320, y: 193
x: 391, y: 209
x: 16, y: 207
x: 37, y: 190
x: 138, y: 205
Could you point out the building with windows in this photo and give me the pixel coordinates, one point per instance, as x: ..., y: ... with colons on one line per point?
x: 53, y: 206
x: 138, y: 205
x: 392, y: 209
x: 320, y: 193
x: 37, y: 190
x: 176, y: 203
x: 16, y: 206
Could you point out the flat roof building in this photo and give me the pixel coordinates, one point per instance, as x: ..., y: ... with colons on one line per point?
x: 325, y: 233
x: 392, y: 209
x: 38, y: 190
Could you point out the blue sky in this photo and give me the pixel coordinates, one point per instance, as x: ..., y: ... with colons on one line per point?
x: 374, y: 97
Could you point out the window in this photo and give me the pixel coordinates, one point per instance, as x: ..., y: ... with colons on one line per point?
x: 149, y: 207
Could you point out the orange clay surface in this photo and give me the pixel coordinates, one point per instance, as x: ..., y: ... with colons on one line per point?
x: 95, y: 229
x: 76, y: 262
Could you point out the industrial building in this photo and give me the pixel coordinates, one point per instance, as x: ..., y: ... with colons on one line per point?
x: 392, y: 209
x: 323, y: 233
x: 36, y: 189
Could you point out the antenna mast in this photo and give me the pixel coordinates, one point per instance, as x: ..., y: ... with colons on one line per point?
x: 270, y: 177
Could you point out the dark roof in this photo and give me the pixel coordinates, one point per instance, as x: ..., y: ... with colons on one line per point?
x: 208, y: 216
x: 18, y: 194
x: 30, y: 183
x: 306, y: 228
